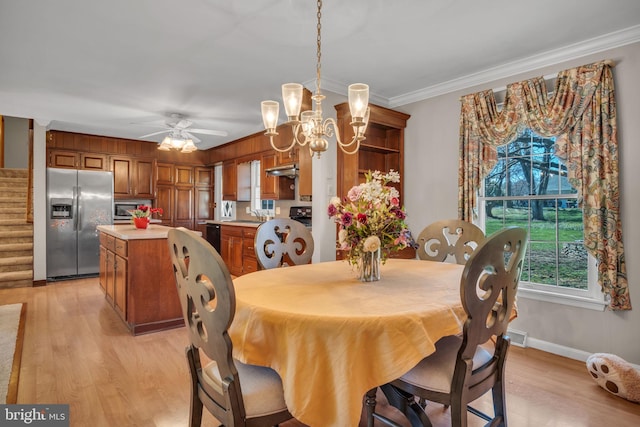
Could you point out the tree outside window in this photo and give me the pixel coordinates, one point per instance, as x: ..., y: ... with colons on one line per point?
x: 529, y: 188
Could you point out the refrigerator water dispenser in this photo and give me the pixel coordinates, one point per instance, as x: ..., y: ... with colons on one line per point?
x: 61, y: 208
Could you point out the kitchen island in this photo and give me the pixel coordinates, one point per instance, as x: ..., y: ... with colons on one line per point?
x: 137, y: 278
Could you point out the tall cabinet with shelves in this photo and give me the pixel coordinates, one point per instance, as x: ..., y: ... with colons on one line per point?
x: 383, y: 150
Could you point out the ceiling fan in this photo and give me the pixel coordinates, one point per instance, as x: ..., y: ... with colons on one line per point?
x: 178, y: 126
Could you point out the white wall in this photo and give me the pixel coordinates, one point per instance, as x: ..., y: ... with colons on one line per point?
x: 39, y: 202
x: 324, y: 188
x: 16, y: 143
x: 431, y: 188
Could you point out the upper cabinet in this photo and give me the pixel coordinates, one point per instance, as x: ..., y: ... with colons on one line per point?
x: 383, y: 148
x: 132, y: 178
x: 229, y: 180
x: 75, y: 160
x: 236, y: 180
x: 274, y: 187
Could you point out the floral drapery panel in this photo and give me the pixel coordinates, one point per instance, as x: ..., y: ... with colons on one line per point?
x: 581, y: 113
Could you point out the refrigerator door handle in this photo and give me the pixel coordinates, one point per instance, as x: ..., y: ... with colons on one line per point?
x: 74, y: 208
x: 79, y: 207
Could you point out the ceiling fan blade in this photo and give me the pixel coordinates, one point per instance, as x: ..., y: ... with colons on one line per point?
x: 209, y: 132
x: 182, y: 124
x: 155, y: 133
x: 192, y: 137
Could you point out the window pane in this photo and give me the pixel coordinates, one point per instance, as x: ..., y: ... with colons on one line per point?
x: 496, y: 180
x: 543, y: 224
x: 543, y: 263
x: 519, y: 176
x: 517, y: 214
x: 570, y: 225
x: 572, y: 265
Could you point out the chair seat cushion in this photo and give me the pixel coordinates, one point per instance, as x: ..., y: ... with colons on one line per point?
x: 435, y: 372
x: 262, y: 391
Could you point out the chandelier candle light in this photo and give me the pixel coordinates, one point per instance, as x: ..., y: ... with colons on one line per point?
x: 309, y: 127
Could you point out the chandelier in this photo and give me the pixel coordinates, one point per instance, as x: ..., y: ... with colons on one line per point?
x: 309, y: 127
x: 178, y: 141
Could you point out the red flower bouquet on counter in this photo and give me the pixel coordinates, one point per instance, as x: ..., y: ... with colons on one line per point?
x: 140, y: 216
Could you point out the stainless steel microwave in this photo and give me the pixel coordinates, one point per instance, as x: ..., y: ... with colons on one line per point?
x: 121, y: 208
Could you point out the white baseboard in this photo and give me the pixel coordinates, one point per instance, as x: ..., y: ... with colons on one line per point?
x: 562, y: 350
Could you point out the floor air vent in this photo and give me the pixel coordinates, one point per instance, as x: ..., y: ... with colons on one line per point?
x: 518, y: 338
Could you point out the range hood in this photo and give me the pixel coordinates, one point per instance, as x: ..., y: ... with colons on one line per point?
x: 289, y: 171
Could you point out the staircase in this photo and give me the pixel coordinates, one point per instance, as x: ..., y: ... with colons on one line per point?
x: 16, y: 234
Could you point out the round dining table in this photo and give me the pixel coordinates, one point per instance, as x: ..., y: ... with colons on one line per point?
x: 332, y: 338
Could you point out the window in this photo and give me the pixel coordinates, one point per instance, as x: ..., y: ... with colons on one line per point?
x: 263, y: 207
x: 528, y: 188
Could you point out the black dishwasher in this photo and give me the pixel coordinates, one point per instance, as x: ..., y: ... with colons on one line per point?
x: 213, y: 236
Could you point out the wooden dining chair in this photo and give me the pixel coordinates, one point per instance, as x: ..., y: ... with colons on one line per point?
x: 462, y: 369
x: 235, y: 393
x: 283, y: 241
x: 449, y: 237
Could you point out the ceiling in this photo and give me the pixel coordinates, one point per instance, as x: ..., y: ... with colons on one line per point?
x: 120, y: 67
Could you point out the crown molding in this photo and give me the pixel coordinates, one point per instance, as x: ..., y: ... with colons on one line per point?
x: 552, y: 57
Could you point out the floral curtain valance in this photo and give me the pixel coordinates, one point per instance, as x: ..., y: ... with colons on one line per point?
x: 581, y: 113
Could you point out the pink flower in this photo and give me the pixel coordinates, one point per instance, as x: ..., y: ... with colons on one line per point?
x: 332, y: 210
x: 395, y: 201
x: 347, y: 219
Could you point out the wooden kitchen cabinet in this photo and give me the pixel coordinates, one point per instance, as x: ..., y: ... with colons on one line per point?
x: 120, y: 286
x: 274, y: 187
x: 164, y: 201
x: 229, y: 180
x: 237, y: 251
x: 132, y: 177
x: 164, y: 174
x: 383, y: 150
x: 139, y: 281
x: 93, y: 162
x: 249, y: 260
x: 184, y: 175
x: 183, y: 207
x: 232, y: 247
x: 63, y: 159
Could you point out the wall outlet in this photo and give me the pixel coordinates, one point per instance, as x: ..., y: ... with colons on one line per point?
x: 248, y: 210
x: 277, y: 210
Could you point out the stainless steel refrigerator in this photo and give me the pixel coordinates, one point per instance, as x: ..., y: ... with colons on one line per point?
x: 77, y: 202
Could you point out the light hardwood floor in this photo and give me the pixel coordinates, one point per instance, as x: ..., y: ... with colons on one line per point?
x: 77, y: 351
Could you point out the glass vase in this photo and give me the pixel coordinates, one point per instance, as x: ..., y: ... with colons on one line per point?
x: 369, y: 266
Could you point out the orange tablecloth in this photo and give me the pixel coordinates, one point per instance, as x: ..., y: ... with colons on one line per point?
x: 332, y: 338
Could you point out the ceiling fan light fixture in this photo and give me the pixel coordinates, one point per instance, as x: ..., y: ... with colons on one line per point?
x: 188, y: 147
x: 165, y: 145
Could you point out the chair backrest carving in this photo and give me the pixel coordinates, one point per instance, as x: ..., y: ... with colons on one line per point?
x: 279, y: 237
x: 208, y: 305
x: 488, y: 287
x: 453, y: 237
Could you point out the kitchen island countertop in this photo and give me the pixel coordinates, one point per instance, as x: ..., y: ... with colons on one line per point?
x: 130, y: 232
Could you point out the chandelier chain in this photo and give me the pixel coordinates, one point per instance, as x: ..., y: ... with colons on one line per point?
x: 319, y: 45
x: 309, y: 127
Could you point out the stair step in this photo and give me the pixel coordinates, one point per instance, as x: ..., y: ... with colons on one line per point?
x: 14, y: 172
x: 15, y: 234
x: 16, y: 247
x: 10, y: 222
x: 10, y: 276
x: 16, y: 260
x: 14, y: 264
